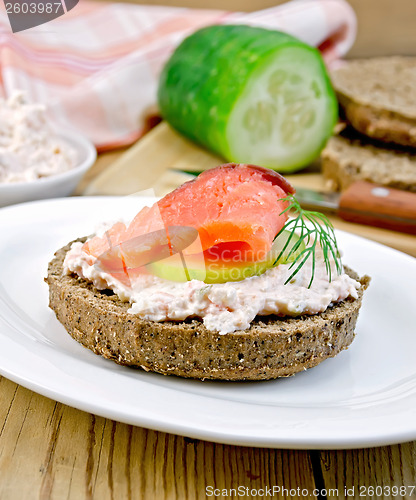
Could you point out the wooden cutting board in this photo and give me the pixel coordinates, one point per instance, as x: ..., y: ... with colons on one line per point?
x: 158, y: 162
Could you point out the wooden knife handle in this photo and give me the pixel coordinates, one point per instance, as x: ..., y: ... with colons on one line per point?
x: 376, y: 205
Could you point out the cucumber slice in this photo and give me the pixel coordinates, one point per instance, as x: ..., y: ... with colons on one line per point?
x: 251, y: 95
x: 184, y: 268
x: 282, y: 251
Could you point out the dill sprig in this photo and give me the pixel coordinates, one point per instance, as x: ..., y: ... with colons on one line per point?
x: 311, y: 229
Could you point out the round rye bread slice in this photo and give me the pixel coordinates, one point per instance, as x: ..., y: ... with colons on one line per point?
x: 377, y: 96
x: 272, y: 347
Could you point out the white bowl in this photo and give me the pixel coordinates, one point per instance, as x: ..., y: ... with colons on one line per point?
x: 57, y: 185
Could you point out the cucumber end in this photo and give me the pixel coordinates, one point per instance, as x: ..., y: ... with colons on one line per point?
x: 285, y: 113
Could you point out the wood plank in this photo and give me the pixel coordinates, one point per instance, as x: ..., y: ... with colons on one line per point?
x: 76, y: 455
x: 385, y: 467
x: 141, y: 166
x: 50, y: 450
x: 104, y: 160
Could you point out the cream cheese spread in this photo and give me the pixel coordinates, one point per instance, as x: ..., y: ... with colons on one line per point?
x: 29, y: 148
x: 225, y: 307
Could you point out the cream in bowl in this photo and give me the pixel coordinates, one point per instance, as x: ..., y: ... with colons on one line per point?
x: 36, y: 161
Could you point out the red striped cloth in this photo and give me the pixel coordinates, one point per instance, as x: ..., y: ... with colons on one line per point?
x: 96, y: 68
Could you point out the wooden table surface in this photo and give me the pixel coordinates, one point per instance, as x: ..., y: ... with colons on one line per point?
x: 50, y: 450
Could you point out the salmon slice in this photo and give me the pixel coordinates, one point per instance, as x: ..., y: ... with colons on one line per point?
x: 112, y: 237
x: 149, y: 247
x: 228, y: 204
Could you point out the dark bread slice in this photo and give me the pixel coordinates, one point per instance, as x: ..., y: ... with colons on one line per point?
x: 350, y: 156
x: 377, y: 96
x: 272, y: 347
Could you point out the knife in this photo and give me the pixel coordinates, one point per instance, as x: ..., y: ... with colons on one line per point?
x: 366, y: 203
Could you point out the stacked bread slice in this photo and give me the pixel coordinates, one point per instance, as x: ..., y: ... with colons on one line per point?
x: 378, y: 143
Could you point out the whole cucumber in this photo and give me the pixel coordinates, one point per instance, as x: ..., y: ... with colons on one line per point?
x: 251, y: 95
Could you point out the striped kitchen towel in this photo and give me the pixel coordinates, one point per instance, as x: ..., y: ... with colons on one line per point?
x: 96, y: 67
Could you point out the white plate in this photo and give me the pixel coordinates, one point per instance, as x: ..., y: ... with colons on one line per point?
x: 366, y: 396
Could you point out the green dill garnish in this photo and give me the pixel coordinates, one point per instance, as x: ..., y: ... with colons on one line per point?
x: 312, y: 228
x: 204, y: 289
